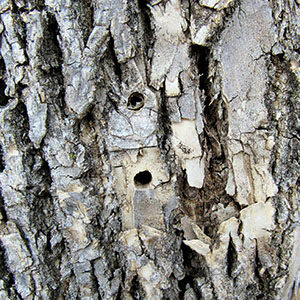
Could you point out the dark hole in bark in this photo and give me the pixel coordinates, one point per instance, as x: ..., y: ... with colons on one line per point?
x: 135, y: 101
x: 3, y: 98
x: 142, y: 178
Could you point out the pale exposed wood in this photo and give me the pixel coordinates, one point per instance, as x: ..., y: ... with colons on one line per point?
x: 149, y: 149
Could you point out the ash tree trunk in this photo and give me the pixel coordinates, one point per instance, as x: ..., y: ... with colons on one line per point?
x: 149, y: 149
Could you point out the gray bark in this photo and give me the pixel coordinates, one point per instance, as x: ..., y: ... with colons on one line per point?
x: 149, y: 149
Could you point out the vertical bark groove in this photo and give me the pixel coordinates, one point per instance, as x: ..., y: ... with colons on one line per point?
x: 149, y: 149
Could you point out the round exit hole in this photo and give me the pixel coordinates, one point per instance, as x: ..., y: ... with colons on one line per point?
x: 142, y: 178
x: 136, y: 101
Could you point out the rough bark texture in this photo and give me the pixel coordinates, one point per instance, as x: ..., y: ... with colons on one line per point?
x: 149, y: 149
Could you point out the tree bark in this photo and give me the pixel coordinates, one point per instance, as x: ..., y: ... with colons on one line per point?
x: 149, y: 149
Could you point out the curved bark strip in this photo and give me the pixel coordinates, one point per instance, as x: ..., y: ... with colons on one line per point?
x: 149, y: 149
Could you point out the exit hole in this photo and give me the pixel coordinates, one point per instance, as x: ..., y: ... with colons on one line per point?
x: 142, y: 178
x: 135, y: 101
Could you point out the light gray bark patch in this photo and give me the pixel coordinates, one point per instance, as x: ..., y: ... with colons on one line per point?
x: 186, y: 103
x: 76, y: 201
x: 244, y: 73
x: 37, y: 113
x: 147, y: 209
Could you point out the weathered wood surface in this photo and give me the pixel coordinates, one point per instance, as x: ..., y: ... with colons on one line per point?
x: 149, y: 149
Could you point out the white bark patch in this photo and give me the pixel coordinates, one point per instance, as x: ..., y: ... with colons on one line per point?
x: 215, y: 4
x: 172, y: 87
x: 195, y: 172
x: 258, y: 220
x: 230, y: 187
x: 185, y: 139
x: 198, y: 246
x: 199, y: 36
x: 170, y: 55
x: 242, y: 179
